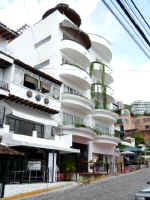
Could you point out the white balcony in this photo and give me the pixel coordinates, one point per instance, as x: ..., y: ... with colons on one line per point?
x: 101, y: 46
x: 22, y: 93
x: 106, y: 116
x: 109, y: 92
x: 108, y: 79
x: 107, y: 140
x: 79, y: 133
x: 75, y: 52
x: 78, y: 103
x: 76, y: 76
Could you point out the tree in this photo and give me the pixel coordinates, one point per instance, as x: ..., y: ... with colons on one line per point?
x: 139, y: 139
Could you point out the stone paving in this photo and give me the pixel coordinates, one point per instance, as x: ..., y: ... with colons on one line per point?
x: 112, y: 188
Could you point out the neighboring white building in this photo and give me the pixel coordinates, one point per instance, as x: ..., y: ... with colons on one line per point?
x: 57, y: 46
x: 140, y: 107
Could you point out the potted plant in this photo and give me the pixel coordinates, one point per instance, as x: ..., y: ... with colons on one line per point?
x: 67, y: 167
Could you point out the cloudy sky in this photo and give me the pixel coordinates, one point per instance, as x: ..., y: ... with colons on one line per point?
x: 131, y: 69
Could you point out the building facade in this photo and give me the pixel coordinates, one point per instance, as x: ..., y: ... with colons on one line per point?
x: 57, y: 46
x: 140, y: 107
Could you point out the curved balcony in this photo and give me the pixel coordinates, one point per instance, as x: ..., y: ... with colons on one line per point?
x: 105, y: 116
x: 72, y: 32
x: 76, y: 76
x: 101, y: 46
x: 97, y: 73
x: 109, y: 140
x: 80, y: 133
x: 109, y: 92
x: 75, y: 52
x: 78, y: 103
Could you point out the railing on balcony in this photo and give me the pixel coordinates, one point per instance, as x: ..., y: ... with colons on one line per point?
x: 4, y: 85
x: 65, y: 61
x: 69, y: 90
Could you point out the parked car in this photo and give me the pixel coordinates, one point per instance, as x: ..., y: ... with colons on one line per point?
x: 143, y: 194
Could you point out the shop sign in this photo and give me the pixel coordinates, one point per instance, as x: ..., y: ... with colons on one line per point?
x: 34, y: 165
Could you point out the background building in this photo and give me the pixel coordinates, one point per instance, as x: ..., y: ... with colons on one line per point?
x: 140, y: 107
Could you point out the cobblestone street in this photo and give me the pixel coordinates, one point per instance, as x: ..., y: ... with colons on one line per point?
x: 112, y: 188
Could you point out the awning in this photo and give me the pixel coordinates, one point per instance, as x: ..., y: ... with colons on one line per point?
x: 13, y: 142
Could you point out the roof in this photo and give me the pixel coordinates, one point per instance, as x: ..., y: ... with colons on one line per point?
x: 36, y: 71
x: 67, y: 11
x: 5, y: 150
x: 76, y: 34
x: 7, y: 33
x: 32, y: 69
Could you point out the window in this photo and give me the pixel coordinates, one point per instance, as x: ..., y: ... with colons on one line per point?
x: 146, y: 119
x: 125, y: 120
x: 30, y: 82
x: 69, y: 119
x: 45, y: 87
x: 137, y: 121
x: 147, y: 126
x: 56, y: 92
x: 24, y: 127
x: 41, y: 42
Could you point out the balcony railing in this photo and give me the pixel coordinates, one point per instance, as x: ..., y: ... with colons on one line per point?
x: 4, y: 85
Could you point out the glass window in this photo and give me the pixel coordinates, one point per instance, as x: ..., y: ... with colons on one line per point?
x: 137, y: 121
x: 30, y: 82
x: 147, y: 126
x: 56, y: 92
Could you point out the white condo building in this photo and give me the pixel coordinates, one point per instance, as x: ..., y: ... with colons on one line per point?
x: 140, y: 107
x: 63, y: 57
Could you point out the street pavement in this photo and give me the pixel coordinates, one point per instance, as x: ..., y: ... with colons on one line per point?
x: 112, y: 188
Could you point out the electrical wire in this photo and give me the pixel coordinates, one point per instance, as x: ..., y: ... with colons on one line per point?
x: 133, y: 22
x: 140, y: 13
x: 129, y: 24
x: 137, y: 17
x: 125, y: 28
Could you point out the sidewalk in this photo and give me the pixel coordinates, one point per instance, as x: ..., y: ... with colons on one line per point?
x: 17, y: 191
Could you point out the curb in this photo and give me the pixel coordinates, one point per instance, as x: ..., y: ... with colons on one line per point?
x: 91, y: 180
x: 36, y: 192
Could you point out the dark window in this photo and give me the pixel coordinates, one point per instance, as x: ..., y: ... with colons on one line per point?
x: 147, y: 126
x: 45, y: 87
x: 137, y: 121
x: 30, y: 82
x: 24, y: 127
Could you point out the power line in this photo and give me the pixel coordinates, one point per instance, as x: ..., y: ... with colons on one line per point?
x: 131, y: 35
x: 139, y: 20
x: 129, y: 25
x: 140, y: 13
x: 133, y: 22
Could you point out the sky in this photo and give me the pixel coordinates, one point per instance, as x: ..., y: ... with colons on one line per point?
x: 131, y: 68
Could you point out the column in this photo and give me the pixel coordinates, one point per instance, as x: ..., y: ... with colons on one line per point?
x: 52, y: 171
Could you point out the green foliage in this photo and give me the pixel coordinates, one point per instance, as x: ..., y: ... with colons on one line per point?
x: 91, y: 69
x: 68, y: 166
x: 117, y: 135
x: 78, y: 125
x: 122, y: 146
x: 146, y: 114
x: 127, y: 106
x: 95, y: 94
x: 139, y: 139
